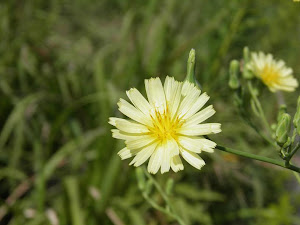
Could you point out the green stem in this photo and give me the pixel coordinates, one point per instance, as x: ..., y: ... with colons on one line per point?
x: 258, y: 105
x: 258, y: 131
x: 292, y: 153
x: 158, y: 187
x: 164, y: 195
x: 169, y: 211
x: 163, y: 210
x: 294, y: 135
x: 259, y: 158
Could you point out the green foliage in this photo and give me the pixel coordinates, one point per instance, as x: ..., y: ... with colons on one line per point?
x: 63, y: 66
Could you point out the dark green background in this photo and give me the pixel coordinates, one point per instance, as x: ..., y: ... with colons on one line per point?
x: 63, y: 67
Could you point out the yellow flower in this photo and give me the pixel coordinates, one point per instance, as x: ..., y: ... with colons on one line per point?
x: 273, y: 73
x: 166, y: 126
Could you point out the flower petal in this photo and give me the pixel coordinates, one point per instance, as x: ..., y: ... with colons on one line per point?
x: 208, y: 145
x: 131, y: 127
x: 197, y: 144
x: 139, y: 101
x: 156, y: 94
x: 173, y: 94
x: 122, y: 135
x: 126, y: 153
x: 166, y: 162
x: 193, y: 159
x: 172, y: 146
x: 200, y: 116
x: 112, y: 120
x: 143, y: 155
x: 156, y: 160
x: 201, y: 129
x: 139, y: 142
x: 130, y: 111
x: 192, y: 94
x: 190, y: 144
x: 198, y: 104
x: 176, y: 164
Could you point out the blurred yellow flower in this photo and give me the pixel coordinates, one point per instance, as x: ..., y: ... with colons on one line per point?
x: 273, y: 73
x: 166, y: 126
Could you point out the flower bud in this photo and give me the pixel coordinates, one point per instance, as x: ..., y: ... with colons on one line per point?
x: 246, y: 56
x: 283, y: 129
x: 234, y: 74
x: 191, y: 63
x: 296, y: 120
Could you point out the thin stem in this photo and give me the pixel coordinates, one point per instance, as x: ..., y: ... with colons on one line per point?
x: 165, y: 197
x: 259, y: 158
x: 158, y: 187
x: 247, y: 120
x: 163, y: 210
x: 260, y: 110
x: 292, y: 153
x: 294, y: 135
x: 258, y: 131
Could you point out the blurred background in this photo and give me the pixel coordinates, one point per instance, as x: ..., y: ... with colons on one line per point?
x: 63, y: 66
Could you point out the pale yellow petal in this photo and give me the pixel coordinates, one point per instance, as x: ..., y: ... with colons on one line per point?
x: 130, y: 111
x: 274, y: 74
x: 172, y: 146
x: 201, y: 129
x: 208, y: 145
x: 192, y: 158
x: 189, y: 100
x: 156, y: 160
x: 112, y: 120
x: 196, y: 144
x: 143, y: 155
x: 190, y: 144
x: 176, y: 164
x: 166, y: 162
x: 123, y: 135
x: 131, y: 127
x: 173, y: 94
x: 156, y: 94
x: 197, y: 105
x: 139, y: 142
x: 126, y: 153
x: 188, y: 88
x: 168, y: 124
x: 200, y: 116
x: 139, y: 101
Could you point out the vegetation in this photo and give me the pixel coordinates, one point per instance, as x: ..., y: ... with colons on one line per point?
x: 63, y: 67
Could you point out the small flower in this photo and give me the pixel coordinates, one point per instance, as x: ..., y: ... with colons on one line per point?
x: 273, y: 73
x: 166, y: 126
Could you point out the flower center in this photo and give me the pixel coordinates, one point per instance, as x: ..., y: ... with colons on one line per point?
x: 164, y: 127
x: 270, y: 75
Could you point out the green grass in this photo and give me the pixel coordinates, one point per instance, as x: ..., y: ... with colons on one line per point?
x: 65, y: 64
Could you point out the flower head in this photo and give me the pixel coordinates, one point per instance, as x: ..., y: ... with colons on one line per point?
x: 166, y: 126
x: 273, y: 73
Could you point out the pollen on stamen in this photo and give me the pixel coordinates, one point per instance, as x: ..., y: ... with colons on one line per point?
x: 164, y: 127
x: 274, y: 74
x: 270, y: 75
